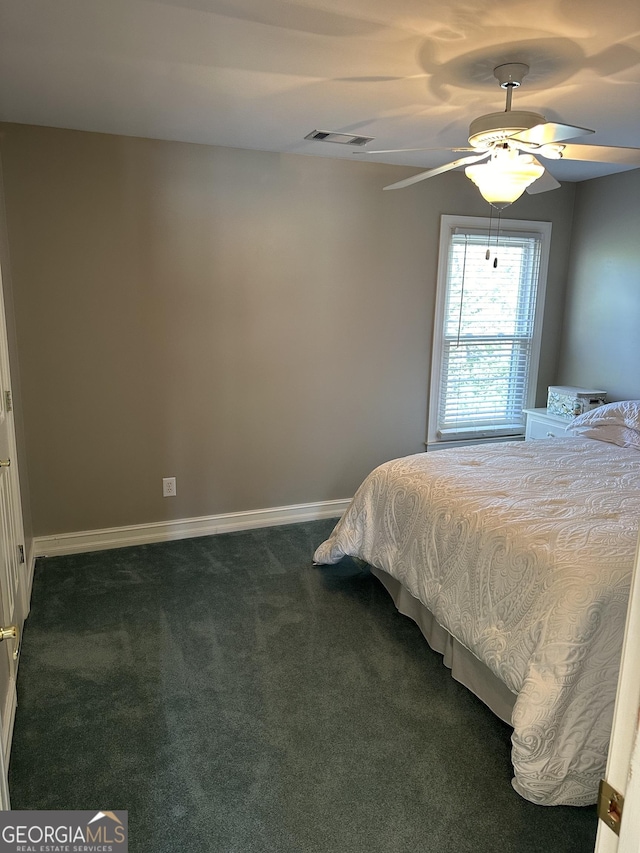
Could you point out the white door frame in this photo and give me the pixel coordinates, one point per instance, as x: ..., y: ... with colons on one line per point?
x: 623, y: 764
x: 5, y: 803
x: 15, y: 578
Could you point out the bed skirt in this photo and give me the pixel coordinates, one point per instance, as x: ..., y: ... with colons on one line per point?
x: 465, y: 667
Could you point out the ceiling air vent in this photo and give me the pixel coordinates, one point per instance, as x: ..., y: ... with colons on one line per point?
x: 340, y: 138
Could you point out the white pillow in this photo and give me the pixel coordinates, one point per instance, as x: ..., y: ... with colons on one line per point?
x: 617, y: 423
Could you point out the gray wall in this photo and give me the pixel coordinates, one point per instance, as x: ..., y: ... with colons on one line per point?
x: 601, y: 342
x: 257, y: 325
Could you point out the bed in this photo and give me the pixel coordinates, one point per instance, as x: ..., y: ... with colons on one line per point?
x: 516, y: 559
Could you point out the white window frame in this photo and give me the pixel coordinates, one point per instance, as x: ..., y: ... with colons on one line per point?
x: 448, y: 226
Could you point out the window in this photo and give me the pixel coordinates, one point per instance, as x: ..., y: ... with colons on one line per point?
x: 487, y: 327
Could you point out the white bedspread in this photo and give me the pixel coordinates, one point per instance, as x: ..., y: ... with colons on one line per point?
x: 523, y: 551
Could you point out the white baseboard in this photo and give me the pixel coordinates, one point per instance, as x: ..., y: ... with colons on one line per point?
x: 165, y: 531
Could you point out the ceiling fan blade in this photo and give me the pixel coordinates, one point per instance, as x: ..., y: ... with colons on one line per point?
x: 401, y: 150
x: 545, y: 182
x: 549, y: 132
x: 431, y: 173
x: 602, y: 154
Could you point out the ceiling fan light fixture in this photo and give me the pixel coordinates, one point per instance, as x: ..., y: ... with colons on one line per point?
x: 513, y: 139
x: 493, y: 128
x: 505, y: 177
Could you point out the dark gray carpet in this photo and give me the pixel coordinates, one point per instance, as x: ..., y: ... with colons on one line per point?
x: 236, y: 699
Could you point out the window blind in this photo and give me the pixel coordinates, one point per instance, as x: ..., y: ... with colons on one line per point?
x: 488, y: 331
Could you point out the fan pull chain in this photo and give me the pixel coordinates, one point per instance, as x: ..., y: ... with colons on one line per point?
x: 488, y: 253
x: 495, y: 260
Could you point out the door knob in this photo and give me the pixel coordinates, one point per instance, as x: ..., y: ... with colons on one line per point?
x: 5, y: 463
x: 11, y: 633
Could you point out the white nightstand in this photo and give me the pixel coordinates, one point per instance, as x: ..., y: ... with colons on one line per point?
x: 542, y: 424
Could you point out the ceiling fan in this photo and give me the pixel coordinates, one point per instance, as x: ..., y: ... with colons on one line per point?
x: 510, y: 142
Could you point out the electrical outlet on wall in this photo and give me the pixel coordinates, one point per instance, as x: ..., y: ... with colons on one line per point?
x: 168, y: 487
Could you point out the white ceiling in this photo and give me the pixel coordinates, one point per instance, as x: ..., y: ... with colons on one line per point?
x: 264, y: 73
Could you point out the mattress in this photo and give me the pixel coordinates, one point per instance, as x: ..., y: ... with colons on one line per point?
x: 523, y: 552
